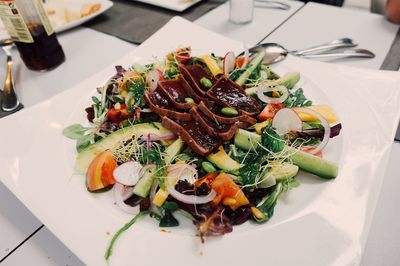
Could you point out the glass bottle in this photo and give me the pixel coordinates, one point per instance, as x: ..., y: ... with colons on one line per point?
x: 28, y: 25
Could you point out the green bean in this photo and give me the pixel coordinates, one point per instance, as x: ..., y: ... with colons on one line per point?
x: 208, y: 167
x: 229, y: 111
x: 189, y: 100
x: 206, y: 82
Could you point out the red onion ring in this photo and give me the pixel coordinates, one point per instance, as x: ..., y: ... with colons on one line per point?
x: 153, y: 137
x: 263, y: 88
x: 148, y: 146
x: 178, y: 170
x: 325, y: 124
x: 122, y: 193
x: 148, y: 143
x: 191, y: 199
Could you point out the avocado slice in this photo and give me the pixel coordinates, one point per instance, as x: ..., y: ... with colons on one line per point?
x: 223, y: 161
x: 247, y: 140
x: 85, y: 157
x: 281, y: 172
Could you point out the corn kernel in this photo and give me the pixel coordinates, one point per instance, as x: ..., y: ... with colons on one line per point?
x: 257, y: 213
x: 160, y: 197
x: 228, y: 201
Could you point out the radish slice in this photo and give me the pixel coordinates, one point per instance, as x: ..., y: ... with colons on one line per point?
x: 122, y: 193
x: 127, y: 173
x: 325, y: 124
x: 286, y: 120
x: 191, y: 199
x: 152, y: 78
x: 264, y: 88
x: 229, y: 62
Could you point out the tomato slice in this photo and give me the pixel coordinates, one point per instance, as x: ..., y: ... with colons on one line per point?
x: 207, y: 179
x: 100, y: 171
x: 270, y: 110
x: 239, y: 62
x: 227, y: 188
x: 183, y: 54
x: 118, y: 115
x: 309, y: 149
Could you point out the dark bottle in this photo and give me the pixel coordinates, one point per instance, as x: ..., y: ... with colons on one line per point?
x: 28, y: 25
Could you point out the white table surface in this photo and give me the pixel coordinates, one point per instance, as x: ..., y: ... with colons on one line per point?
x: 95, y: 51
x: 265, y: 20
x: 318, y: 24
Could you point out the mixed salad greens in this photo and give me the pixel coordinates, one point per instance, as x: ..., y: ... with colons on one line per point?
x: 152, y: 169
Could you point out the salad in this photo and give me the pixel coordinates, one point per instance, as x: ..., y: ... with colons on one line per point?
x: 215, y: 139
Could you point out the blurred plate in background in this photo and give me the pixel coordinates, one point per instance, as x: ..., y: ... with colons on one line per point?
x: 177, y: 5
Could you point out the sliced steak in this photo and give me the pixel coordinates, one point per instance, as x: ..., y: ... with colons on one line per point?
x: 194, y: 135
x: 223, y: 131
x: 214, y: 112
x: 193, y: 74
x: 228, y: 93
x: 176, y: 92
x: 160, y: 105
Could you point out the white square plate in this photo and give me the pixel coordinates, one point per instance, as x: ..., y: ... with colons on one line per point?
x: 319, y: 223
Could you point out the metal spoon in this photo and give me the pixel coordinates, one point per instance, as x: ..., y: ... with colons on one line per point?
x: 281, y: 52
x: 10, y: 101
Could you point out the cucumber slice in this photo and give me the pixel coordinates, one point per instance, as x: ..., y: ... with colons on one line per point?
x: 173, y: 150
x: 143, y: 186
x: 313, y: 164
x: 253, y: 65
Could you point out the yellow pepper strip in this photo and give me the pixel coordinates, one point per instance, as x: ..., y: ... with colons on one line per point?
x: 162, y: 194
x: 323, y: 110
x: 211, y: 64
x: 259, y: 126
x: 160, y: 197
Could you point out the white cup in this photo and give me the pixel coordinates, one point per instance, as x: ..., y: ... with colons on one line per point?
x: 241, y: 11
